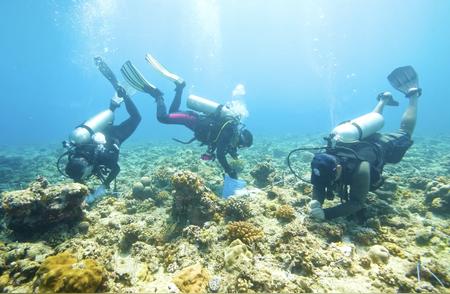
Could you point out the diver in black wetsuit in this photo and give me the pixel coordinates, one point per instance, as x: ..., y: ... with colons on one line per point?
x: 99, y: 154
x: 222, y: 134
x: 353, y: 174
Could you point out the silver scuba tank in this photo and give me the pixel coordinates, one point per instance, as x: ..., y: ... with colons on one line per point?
x: 206, y: 106
x: 358, y: 128
x: 82, y: 134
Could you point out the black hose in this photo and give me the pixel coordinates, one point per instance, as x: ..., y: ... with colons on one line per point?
x: 58, y: 164
x: 296, y: 150
x: 331, y: 150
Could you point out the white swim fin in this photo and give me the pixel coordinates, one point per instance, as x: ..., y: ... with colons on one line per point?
x: 162, y: 70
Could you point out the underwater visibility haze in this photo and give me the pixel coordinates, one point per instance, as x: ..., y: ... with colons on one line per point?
x: 294, y: 69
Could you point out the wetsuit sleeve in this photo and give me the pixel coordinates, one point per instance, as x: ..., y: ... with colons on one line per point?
x: 358, y: 192
x: 318, y: 194
x: 115, y: 169
x: 223, y: 143
x: 127, y: 127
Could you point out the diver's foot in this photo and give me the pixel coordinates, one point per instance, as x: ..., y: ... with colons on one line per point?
x: 154, y: 92
x: 179, y: 85
x: 387, y: 98
x: 414, y: 92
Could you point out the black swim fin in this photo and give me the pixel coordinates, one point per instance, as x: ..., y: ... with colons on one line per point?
x: 107, y: 72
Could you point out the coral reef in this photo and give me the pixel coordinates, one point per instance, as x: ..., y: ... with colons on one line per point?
x: 63, y: 273
x: 285, y: 213
x: 194, y: 203
x: 192, y: 279
x: 237, y: 256
x: 41, y: 206
x: 263, y: 173
x: 237, y: 209
x: 167, y: 231
x: 379, y: 254
x: 244, y: 231
x: 437, y: 196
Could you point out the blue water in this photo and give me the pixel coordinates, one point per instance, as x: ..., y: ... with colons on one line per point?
x: 305, y: 65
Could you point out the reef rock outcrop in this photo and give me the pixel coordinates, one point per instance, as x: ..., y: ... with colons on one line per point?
x: 41, y: 205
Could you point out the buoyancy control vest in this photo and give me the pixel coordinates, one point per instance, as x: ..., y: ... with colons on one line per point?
x: 350, y: 155
x: 209, y: 128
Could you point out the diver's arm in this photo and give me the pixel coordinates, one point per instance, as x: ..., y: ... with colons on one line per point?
x: 317, y: 195
x: 360, y: 183
x: 115, y: 169
x: 222, y: 150
x: 358, y: 192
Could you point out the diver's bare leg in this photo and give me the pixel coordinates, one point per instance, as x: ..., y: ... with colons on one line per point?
x: 379, y: 107
x: 410, y: 116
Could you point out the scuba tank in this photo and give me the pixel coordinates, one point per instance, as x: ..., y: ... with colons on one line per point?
x: 357, y: 129
x: 207, y: 106
x: 83, y: 133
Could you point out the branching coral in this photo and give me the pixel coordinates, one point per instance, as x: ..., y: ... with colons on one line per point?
x: 237, y: 209
x: 285, y: 213
x: 244, y: 231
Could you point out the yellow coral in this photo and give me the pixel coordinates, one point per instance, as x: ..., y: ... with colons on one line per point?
x: 285, y: 213
x: 245, y: 231
x: 62, y: 273
x: 394, y: 249
x: 192, y: 279
x: 4, y: 281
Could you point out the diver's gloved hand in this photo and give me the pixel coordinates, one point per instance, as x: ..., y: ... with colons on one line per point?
x: 233, y: 174
x: 316, y: 211
x: 179, y: 86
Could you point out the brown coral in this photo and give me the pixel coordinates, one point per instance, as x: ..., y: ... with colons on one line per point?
x: 285, y: 213
x: 193, y: 201
x: 245, y: 231
x: 192, y: 279
x: 62, y: 273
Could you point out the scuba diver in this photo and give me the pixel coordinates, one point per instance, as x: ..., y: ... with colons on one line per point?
x: 353, y: 161
x: 214, y: 125
x: 94, y: 146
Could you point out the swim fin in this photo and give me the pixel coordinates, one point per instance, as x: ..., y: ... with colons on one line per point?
x: 137, y: 81
x: 162, y: 70
x: 387, y: 98
x: 405, y: 80
x: 107, y: 72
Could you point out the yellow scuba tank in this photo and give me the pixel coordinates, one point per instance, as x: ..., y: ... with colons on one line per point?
x: 82, y: 134
x: 358, y: 128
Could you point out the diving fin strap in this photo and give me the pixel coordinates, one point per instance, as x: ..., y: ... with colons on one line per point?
x: 404, y: 79
x: 162, y: 70
x: 136, y: 80
x: 107, y: 72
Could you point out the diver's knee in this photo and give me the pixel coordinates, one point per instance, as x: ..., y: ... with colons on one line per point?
x: 162, y: 119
